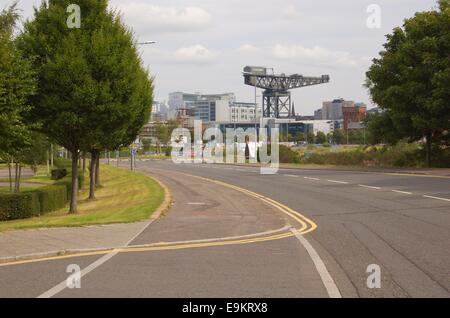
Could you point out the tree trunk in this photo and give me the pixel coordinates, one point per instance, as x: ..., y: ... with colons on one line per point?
x: 428, y: 146
x: 84, y: 162
x: 16, y: 180
x: 51, y: 156
x: 118, y: 157
x: 10, y: 177
x: 92, y: 177
x: 74, y: 192
x: 97, y: 170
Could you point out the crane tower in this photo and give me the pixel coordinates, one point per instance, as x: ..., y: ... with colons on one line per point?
x: 277, y: 95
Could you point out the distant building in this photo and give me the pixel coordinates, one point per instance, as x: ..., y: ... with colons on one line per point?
x: 325, y: 126
x: 214, y: 107
x: 333, y: 110
x: 353, y: 116
x: 300, y: 118
x: 318, y: 114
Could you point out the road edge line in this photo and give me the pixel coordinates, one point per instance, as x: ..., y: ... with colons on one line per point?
x: 325, y: 276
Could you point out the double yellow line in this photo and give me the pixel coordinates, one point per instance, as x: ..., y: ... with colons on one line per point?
x: 305, y: 226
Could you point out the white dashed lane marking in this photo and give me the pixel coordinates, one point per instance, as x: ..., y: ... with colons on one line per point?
x: 336, y: 181
x: 402, y: 192
x: 369, y: 187
x: 436, y: 198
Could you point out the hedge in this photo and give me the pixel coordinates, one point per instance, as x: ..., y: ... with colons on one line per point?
x: 58, y: 173
x: 14, y: 206
x: 52, y: 198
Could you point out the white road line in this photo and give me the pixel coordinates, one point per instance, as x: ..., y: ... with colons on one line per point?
x: 402, y: 192
x: 335, y: 181
x: 63, y: 285
x: 327, y: 280
x: 196, y: 203
x: 309, y: 178
x: 436, y: 198
x: 369, y: 187
x: 291, y: 175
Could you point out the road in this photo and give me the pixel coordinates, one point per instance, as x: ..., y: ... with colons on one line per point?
x: 233, y: 232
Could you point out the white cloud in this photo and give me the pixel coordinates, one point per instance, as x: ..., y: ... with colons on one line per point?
x: 291, y: 12
x: 157, y: 19
x: 196, y: 54
x: 247, y: 48
x: 315, y: 56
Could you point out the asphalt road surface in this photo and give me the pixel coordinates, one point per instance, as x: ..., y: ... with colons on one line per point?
x: 299, y: 233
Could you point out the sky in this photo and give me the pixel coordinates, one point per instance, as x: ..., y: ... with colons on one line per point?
x: 203, y: 45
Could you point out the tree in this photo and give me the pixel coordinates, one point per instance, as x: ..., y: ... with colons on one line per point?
x: 17, y: 84
x: 381, y: 129
x: 411, y: 79
x: 299, y: 137
x: 92, y: 87
x: 321, y: 138
x: 339, y: 136
x: 163, y: 132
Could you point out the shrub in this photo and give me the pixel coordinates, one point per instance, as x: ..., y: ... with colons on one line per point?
x: 62, y: 163
x: 59, y: 173
x: 15, y: 206
x: 52, y: 198
x: 287, y: 155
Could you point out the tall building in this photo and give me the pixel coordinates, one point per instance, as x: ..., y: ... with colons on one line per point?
x: 333, y: 110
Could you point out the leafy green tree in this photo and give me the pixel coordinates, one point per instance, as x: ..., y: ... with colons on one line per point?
x: 381, y: 129
x: 17, y: 84
x: 338, y: 136
x: 163, y: 132
x: 310, y: 138
x: 299, y: 137
x: 92, y: 87
x: 411, y: 78
x: 321, y: 138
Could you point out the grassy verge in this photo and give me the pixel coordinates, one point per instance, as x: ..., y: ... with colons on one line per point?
x: 123, y: 198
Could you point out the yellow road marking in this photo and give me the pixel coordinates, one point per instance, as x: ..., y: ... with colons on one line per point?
x: 307, y: 226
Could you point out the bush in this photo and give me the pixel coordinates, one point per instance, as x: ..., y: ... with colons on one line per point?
x: 52, y: 198
x: 63, y: 163
x: 287, y: 155
x: 15, y: 206
x: 59, y: 173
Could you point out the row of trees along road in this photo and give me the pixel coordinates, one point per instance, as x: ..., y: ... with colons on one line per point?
x: 19, y: 144
x: 410, y: 81
x: 92, y: 92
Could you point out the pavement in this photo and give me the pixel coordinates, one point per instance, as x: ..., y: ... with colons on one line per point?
x: 230, y: 233
x: 27, y: 244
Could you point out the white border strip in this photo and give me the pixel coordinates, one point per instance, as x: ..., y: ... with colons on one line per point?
x: 327, y: 280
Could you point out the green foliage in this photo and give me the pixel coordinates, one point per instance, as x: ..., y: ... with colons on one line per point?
x: 52, y: 198
x: 58, y: 173
x: 411, y: 80
x: 321, y: 138
x: 287, y: 155
x: 93, y: 92
x: 17, y: 84
x: 15, y: 206
x: 400, y: 155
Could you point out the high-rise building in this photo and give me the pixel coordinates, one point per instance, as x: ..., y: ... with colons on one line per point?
x: 333, y: 110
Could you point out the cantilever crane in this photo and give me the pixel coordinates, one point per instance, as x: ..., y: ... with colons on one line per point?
x: 277, y: 95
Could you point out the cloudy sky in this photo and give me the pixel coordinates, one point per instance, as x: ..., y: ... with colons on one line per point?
x: 203, y: 45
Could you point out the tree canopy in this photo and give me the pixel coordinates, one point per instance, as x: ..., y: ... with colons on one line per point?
x: 93, y: 92
x: 410, y: 80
